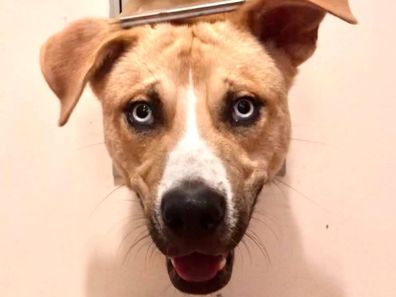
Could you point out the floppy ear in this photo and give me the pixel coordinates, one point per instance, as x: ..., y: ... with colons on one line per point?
x: 70, y: 58
x: 292, y: 25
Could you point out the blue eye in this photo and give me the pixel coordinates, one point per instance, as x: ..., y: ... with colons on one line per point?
x: 243, y: 109
x: 140, y: 114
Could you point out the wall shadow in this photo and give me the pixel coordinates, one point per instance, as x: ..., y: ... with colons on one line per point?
x: 281, y: 270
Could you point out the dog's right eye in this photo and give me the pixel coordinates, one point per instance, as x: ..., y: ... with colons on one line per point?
x: 241, y: 110
x: 140, y: 115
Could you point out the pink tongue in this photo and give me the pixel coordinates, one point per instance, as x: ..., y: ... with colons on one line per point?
x: 197, y: 267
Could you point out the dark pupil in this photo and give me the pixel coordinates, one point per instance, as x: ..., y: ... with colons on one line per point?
x: 244, y: 106
x: 142, y: 111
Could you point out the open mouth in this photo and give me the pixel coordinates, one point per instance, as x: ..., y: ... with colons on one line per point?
x: 198, y: 273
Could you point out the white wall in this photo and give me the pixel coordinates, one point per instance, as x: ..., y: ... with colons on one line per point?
x: 335, y: 234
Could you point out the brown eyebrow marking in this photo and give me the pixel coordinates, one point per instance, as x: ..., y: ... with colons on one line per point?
x: 140, y: 90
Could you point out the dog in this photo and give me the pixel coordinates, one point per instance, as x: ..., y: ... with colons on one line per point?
x: 195, y: 116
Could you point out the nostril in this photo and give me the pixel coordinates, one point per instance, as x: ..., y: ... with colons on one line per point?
x: 213, y: 217
x: 171, y: 216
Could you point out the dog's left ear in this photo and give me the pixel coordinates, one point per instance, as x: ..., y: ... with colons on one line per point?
x: 84, y: 50
x: 291, y: 26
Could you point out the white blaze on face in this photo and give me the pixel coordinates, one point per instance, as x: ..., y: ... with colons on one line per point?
x: 193, y: 159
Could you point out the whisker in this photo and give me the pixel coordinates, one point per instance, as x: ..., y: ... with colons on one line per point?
x: 238, y: 247
x: 131, y: 200
x: 135, y: 227
x: 279, y: 189
x: 150, y: 252
x: 267, y: 226
x: 264, y: 214
x: 146, y: 254
x: 240, y: 252
x: 138, y: 226
x: 260, y: 241
x: 247, y: 235
x: 129, y: 234
x: 90, y: 145
x: 301, y: 194
x: 105, y: 198
x: 130, y: 219
x: 133, y: 245
x: 307, y: 141
x: 167, y: 288
x: 147, y: 245
x: 259, y: 244
x: 248, y: 251
x: 135, y: 218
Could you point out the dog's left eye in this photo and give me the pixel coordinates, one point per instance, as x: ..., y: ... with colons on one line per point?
x: 140, y: 114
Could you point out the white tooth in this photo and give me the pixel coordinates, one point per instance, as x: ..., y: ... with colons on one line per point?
x: 173, y: 262
x: 222, y: 263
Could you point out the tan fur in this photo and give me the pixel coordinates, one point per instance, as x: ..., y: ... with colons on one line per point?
x: 255, y: 50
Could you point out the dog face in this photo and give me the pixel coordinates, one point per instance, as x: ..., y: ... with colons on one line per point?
x: 210, y: 133
x: 195, y: 118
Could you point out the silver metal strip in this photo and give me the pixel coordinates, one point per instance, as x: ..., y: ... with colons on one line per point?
x: 181, y: 12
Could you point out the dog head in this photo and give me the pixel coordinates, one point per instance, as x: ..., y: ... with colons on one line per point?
x: 195, y: 117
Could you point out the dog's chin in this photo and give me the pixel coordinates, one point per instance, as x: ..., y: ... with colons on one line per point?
x: 200, y: 274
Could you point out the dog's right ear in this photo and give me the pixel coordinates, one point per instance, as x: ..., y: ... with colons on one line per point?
x: 291, y: 26
x: 70, y: 58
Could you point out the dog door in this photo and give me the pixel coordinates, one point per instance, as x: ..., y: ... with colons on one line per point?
x: 116, y: 7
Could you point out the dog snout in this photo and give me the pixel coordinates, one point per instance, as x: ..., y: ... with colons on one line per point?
x: 193, y: 209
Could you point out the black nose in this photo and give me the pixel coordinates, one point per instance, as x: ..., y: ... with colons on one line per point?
x: 192, y: 208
